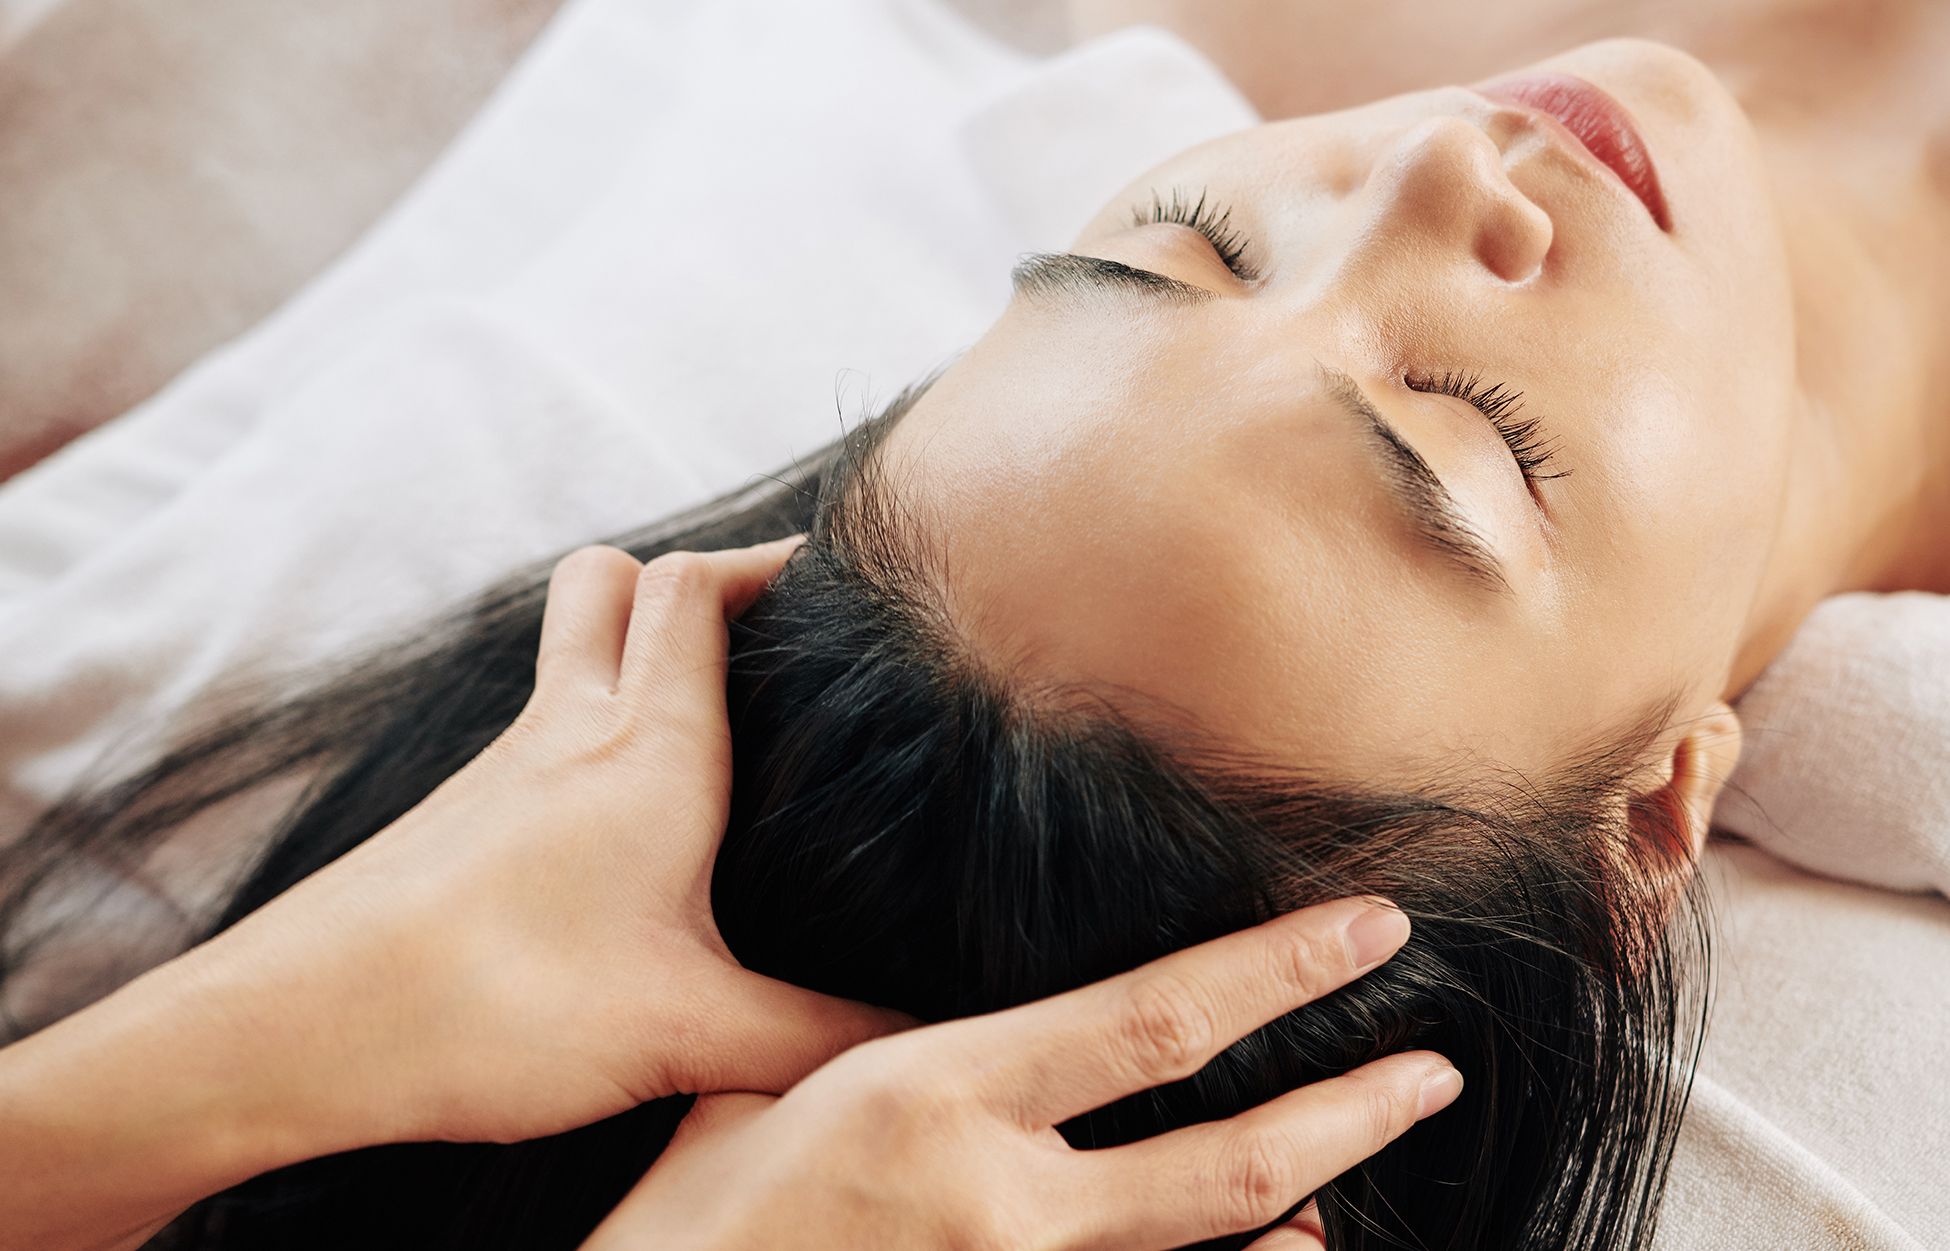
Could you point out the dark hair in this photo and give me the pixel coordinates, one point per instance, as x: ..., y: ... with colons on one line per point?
x: 915, y: 829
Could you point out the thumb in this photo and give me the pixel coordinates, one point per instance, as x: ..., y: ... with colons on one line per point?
x: 766, y: 1035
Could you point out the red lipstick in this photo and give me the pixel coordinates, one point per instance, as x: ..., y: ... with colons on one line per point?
x: 1599, y: 122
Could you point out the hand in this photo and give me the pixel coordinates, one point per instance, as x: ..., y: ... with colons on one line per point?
x: 945, y: 1136
x: 529, y: 949
x: 532, y: 947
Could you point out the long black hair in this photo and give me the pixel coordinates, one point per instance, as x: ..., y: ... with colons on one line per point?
x: 911, y: 828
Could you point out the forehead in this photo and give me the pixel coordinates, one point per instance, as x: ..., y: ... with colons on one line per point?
x: 1149, y: 510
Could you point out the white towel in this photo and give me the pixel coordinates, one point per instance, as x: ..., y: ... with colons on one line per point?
x: 1845, y: 765
x: 1822, y: 1114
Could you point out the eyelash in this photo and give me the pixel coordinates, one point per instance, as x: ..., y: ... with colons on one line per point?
x: 1208, y: 218
x: 1528, y: 444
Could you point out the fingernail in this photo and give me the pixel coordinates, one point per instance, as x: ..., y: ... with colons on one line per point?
x: 1377, y: 933
x: 1439, y: 1090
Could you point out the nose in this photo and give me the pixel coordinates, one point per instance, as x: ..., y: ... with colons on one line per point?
x: 1443, y: 180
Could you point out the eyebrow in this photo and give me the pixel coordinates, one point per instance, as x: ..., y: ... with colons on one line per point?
x: 1430, y: 508
x: 1041, y: 274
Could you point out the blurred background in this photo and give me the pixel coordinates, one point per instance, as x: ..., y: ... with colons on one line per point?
x: 144, y: 147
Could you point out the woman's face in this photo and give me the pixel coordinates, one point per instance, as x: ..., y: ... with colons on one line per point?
x: 1200, y: 489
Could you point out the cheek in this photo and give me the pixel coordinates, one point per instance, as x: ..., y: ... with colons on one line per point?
x: 1688, y: 511
x: 1704, y: 443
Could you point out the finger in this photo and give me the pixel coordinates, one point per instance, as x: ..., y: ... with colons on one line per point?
x: 586, y: 618
x: 1228, y: 1176
x: 1162, y: 1022
x: 677, y: 624
x: 749, y: 570
x: 767, y: 1035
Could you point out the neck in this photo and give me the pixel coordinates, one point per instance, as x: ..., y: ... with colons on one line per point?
x: 1868, y: 235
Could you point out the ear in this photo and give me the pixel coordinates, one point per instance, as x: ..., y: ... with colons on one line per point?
x: 1683, y: 786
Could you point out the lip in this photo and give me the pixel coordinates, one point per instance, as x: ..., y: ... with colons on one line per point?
x: 1598, y: 122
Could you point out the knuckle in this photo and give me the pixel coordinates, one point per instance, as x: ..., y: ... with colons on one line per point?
x: 1311, y: 963
x: 1385, y: 1113
x: 676, y: 574
x: 1168, y: 1030
x: 894, y: 1092
x: 1259, y: 1181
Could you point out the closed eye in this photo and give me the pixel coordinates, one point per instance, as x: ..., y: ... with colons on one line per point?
x: 1530, y: 445
x: 1209, y: 218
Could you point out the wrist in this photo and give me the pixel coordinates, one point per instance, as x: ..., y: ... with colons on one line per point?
x: 117, y: 1118
x: 302, y: 1032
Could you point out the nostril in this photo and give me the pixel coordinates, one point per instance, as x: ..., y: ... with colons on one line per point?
x: 1515, y: 239
x: 1450, y: 184
x: 1508, y: 125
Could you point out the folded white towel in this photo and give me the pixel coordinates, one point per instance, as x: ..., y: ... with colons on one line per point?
x: 1846, y: 764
